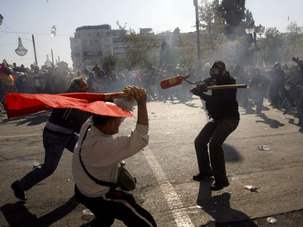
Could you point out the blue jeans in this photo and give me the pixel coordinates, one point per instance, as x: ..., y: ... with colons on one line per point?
x: 54, y: 144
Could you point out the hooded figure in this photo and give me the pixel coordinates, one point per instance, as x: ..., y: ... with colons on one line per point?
x: 222, y: 108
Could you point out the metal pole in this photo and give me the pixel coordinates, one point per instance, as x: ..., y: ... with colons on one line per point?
x: 52, y: 57
x: 199, y: 60
x: 255, y: 47
x: 36, y: 62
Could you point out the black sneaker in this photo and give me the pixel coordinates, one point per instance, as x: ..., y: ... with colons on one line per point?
x: 202, y: 176
x: 19, y: 193
x: 216, y: 186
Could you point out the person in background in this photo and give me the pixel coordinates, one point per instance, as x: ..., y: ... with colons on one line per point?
x: 259, y: 85
x: 61, y: 131
x: 8, y: 80
x: 222, y: 108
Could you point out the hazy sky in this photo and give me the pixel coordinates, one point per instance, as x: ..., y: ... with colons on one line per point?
x: 22, y: 18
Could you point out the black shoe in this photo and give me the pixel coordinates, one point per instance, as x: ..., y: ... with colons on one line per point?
x: 19, y: 193
x: 216, y: 186
x: 202, y: 176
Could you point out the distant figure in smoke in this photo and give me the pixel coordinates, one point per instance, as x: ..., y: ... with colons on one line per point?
x: 276, y: 86
x: 259, y: 85
x: 299, y: 103
x: 222, y: 108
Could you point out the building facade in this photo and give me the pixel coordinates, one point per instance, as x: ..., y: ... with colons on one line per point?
x: 91, y: 44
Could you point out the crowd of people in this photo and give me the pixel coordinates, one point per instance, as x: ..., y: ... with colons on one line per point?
x: 280, y: 84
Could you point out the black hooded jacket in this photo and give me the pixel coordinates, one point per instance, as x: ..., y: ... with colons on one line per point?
x: 222, y: 103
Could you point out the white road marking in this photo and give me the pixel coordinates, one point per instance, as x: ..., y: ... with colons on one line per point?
x: 181, y: 217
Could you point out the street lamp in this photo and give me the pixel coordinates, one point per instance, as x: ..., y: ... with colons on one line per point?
x: 21, y: 51
x: 53, y: 31
x: 48, y: 63
x: 254, y: 31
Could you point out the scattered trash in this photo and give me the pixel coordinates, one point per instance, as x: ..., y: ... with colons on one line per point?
x: 87, y: 212
x: 271, y: 220
x: 263, y: 148
x: 235, y: 179
x: 251, y: 188
x: 36, y: 164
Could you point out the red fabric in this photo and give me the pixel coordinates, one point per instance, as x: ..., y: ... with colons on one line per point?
x: 139, y: 77
x: 21, y: 104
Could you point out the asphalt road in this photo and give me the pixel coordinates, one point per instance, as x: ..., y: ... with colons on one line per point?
x: 164, y: 172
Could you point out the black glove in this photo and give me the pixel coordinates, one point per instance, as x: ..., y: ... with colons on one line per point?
x: 200, y: 88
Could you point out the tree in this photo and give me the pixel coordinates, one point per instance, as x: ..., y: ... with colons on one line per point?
x: 166, y: 55
x: 109, y: 63
x: 212, y: 23
x: 293, y: 28
x: 138, y: 48
x: 293, y: 42
x: 187, y: 52
x: 236, y: 17
x: 271, y: 46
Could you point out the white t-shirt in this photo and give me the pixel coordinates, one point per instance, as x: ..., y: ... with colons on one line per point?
x: 101, y: 155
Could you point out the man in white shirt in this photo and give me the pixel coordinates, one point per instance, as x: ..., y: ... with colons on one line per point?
x: 100, y: 153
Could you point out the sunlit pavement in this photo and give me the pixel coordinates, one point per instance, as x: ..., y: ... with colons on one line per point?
x: 164, y: 171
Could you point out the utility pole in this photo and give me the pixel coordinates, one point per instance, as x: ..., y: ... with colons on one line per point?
x: 36, y: 62
x: 199, y: 60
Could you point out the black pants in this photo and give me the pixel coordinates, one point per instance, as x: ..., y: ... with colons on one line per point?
x: 214, y: 133
x: 116, y: 204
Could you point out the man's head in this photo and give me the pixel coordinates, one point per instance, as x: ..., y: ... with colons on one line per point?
x: 257, y: 71
x: 8, y: 71
x: 78, y: 84
x: 277, y: 66
x: 218, y: 69
x: 106, y: 124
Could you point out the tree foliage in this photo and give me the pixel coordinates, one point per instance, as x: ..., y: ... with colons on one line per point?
x: 212, y: 24
x: 109, y: 63
x: 233, y: 12
x: 270, y: 49
x: 187, y: 53
x: 292, y: 42
x: 138, y: 48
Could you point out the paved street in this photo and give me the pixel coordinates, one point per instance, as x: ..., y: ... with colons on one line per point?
x: 164, y: 171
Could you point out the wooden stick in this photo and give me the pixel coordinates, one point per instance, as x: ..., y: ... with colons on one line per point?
x: 116, y: 95
x: 226, y: 86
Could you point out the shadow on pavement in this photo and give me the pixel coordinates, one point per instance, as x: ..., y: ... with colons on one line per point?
x: 271, y: 122
x: 18, y: 215
x: 29, y: 120
x: 219, y: 207
x: 193, y: 105
x: 231, y: 154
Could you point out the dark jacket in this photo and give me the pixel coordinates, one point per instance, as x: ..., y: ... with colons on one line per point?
x: 69, y: 118
x: 222, y: 103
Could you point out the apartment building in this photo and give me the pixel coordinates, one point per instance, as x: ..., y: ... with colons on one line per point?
x: 91, y: 44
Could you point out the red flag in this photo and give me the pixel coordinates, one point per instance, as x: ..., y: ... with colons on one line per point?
x: 21, y: 104
x: 139, y: 77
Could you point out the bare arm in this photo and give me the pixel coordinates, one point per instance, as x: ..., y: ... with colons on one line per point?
x: 140, y: 95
